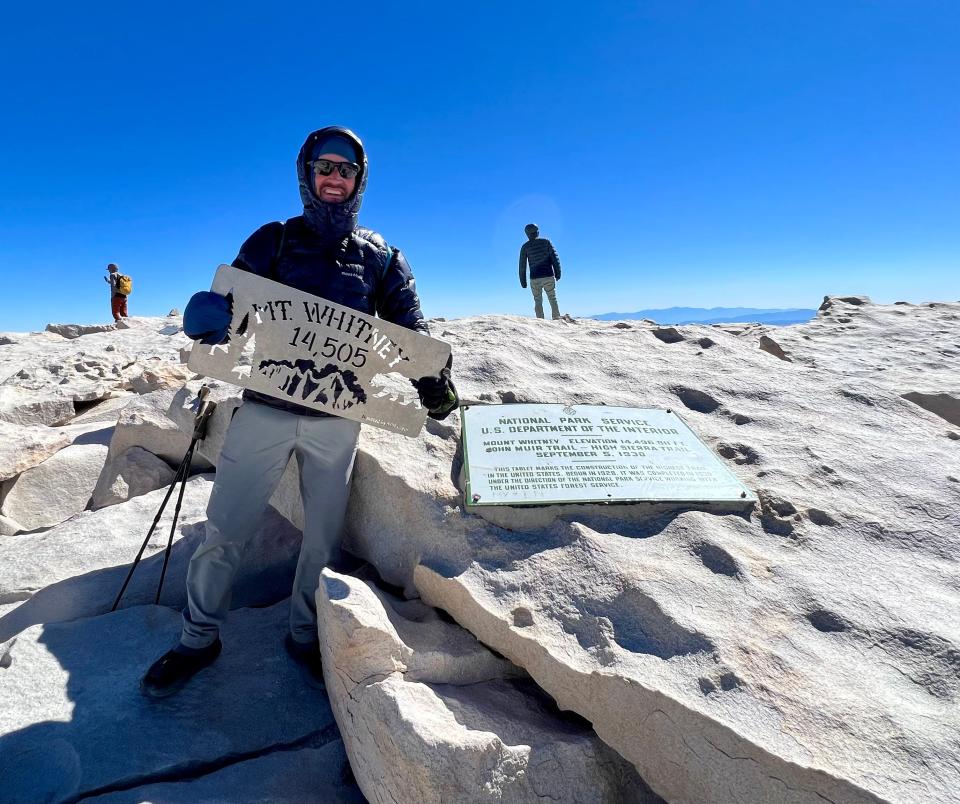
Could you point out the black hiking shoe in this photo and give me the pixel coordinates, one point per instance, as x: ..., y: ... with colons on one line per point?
x: 307, y: 655
x: 174, y: 669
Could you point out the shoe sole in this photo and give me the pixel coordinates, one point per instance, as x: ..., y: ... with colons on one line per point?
x: 165, y: 692
x: 157, y: 694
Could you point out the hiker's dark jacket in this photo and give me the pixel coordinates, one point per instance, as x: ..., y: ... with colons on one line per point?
x: 324, y: 252
x: 542, y: 257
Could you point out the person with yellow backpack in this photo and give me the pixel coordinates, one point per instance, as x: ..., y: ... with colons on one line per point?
x: 121, y: 286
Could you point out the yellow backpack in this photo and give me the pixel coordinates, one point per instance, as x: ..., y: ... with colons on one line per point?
x: 124, y: 284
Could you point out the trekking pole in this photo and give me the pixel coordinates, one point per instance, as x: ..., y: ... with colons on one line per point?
x: 204, y: 411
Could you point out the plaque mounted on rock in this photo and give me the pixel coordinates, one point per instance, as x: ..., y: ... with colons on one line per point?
x: 535, y: 454
x: 304, y: 349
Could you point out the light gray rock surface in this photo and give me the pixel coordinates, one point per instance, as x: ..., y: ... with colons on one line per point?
x: 157, y: 375
x: 107, y: 410
x: 298, y: 776
x: 73, y: 722
x: 56, y: 489
x: 71, y: 331
x: 76, y: 569
x: 133, y: 473
x: 429, y: 714
x: 89, y: 432
x: 30, y: 408
x: 23, y: 447
x: 43, y: 374
x: 144, y: 423
x: 8, y: 526
x: 808, y: 651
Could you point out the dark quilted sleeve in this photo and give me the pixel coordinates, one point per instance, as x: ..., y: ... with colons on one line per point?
x: 397, y: 299
x: 259, y: 250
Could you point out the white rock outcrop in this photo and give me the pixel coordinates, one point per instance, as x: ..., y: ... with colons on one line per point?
x: 144, y: 423
x: 133, y: 473
x: 30, y: 408
x: 429, y: 714
x: 808, y: 651
x: 71, y: 331
x: 8, y: 527
x: 23, y: 447
x: 107, y: 410
x: 56, y: 489
x: 42, y: 375
x: 157, y: 375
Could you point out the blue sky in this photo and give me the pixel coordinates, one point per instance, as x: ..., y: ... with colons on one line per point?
x: 678, y: 153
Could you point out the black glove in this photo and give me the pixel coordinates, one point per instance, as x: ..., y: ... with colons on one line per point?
x: 437, y: 394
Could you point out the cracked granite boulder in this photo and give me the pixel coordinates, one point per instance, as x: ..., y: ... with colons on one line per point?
x: 54, y: 490
x: 44, y: 375
x: 23, y: 447
x: 131, y: 474
x: 803, y: 653
x: 808, y: 651
x: 429, y: 714
x: 73, y: 722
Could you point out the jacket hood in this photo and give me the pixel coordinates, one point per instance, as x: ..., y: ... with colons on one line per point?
x: 330, y: 221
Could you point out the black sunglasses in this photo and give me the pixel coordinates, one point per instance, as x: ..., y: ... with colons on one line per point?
x: 324, y: 167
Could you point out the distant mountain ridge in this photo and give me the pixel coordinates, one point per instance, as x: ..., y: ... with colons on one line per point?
x: 715, y: 315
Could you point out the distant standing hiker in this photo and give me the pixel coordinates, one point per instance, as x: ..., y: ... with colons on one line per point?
x: 544, y: 269
x: 120, y: 287
x: 324, y: 252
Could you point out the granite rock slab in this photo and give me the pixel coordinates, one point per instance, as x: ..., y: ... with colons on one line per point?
x: 298, y: 776
x: 73, y: 722
x: 56, y: 489
x: 805, y: 651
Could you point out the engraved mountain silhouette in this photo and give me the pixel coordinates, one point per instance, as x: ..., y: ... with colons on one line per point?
x: 301, y: 380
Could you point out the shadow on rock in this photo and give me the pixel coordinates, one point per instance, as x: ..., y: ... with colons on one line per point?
x: 264, y: 578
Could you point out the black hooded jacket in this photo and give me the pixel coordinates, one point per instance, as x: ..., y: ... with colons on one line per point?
x: 543, y: 259
x: 325, y: 252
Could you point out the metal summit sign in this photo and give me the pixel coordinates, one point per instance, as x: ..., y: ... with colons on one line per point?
x: 319, y: 354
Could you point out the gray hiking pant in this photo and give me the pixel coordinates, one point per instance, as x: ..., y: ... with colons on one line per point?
x: 257, y: 448
x: 548, y: 284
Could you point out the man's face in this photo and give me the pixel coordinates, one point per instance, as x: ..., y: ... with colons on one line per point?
x: 333, y: 188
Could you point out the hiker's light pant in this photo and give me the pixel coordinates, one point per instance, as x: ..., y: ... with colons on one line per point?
x: 258, y: 445
x: 548, y: 284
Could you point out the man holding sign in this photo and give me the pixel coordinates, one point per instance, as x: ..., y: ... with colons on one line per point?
x: 323, y: 252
